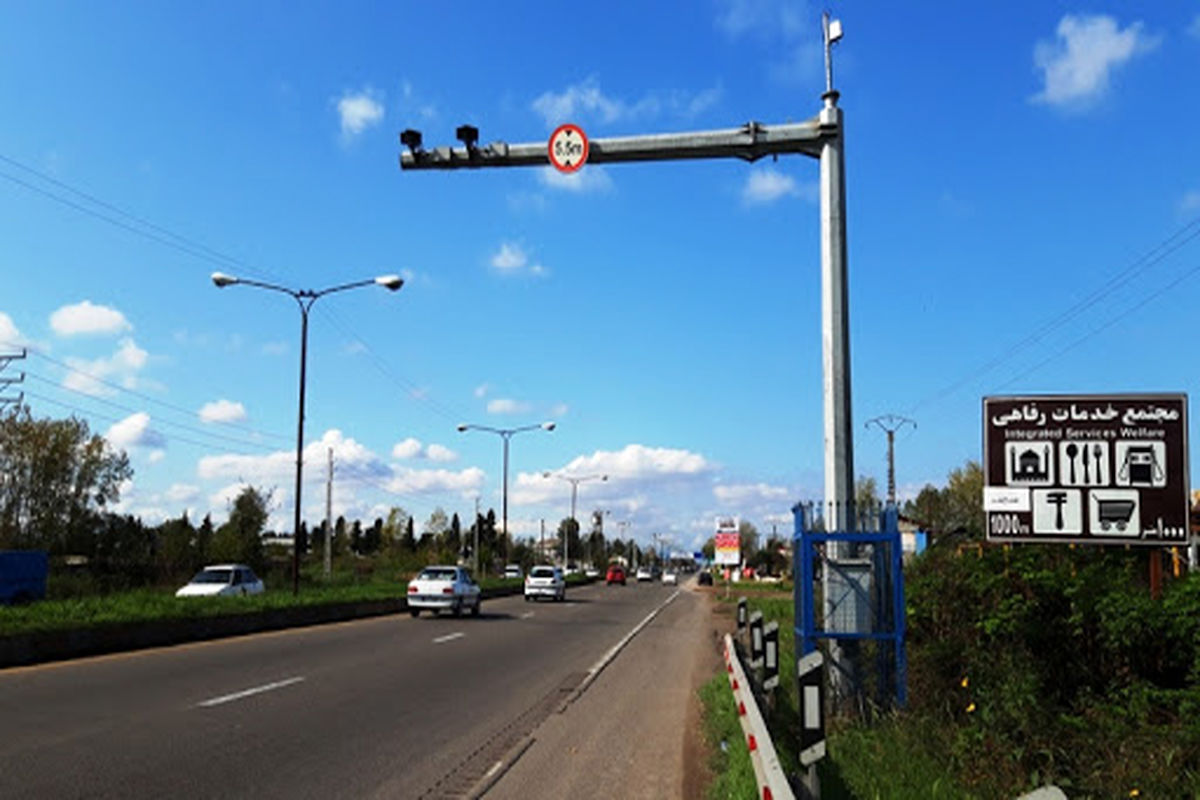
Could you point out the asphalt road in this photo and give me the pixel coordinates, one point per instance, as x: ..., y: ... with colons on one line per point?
x: 388, y: 707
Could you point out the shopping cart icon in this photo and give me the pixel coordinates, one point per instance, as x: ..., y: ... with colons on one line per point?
x: 1115, y: 513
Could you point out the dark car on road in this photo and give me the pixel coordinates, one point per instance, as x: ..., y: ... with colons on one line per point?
x: 616, y: 574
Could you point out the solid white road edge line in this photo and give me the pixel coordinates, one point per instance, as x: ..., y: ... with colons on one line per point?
x: 449, y: 637
x: 216, y: 701
x: 604, y: 659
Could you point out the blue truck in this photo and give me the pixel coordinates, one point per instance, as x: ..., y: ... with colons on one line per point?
x: 22, y: 575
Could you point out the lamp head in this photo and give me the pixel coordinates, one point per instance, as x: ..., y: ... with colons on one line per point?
x: 222, y: 280
x: 468, y: 135
x: 603, y: 477
x: 549, y: 426
x: 390, y: 282
x: 411, y: 139
x: 462, y: 427
x: 546, y: 474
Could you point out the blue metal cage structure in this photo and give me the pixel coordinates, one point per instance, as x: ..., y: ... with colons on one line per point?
x: 867, y: 595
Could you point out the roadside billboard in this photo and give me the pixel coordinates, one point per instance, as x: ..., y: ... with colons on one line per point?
x: 727, y: 541
x: 1106, y: 469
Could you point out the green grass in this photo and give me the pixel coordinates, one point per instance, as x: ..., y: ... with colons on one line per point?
x: 733, y: 773
x: 891, y: 759
x: 158, y: 604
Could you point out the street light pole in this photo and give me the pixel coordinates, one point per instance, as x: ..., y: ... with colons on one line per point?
x: 304, y: 299
x: 574, y: 481
x: 506, y: 434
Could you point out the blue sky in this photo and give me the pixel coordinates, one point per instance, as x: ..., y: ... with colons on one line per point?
x: 1023, y: 189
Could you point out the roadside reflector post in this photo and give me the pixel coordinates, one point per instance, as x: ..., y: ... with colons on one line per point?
x: 770, y: 658
x: 810, y: 674
x: 756, y: 641
x: 742, y: 618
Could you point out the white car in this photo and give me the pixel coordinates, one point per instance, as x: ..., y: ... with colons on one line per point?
x: 222, y: 580
x: 443, y: 589
x: 513, y: 571
x: 545, y: 582
x: 670, y: 577
x: 644, y: 574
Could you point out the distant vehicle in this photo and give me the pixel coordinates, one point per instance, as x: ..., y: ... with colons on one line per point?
x: 616, y: 574
x: 545, y: 582
x: 513, y: 571
x: 669, y: 577
x: 644, y: 574
x: 443, y: 589
x: 222, y: 580
x: 591, y: 572
x: 22, y: 576
x: 705, y: 578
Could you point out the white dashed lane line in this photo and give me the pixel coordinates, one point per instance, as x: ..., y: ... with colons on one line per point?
x: 229, y: 698
x: 449, y: 637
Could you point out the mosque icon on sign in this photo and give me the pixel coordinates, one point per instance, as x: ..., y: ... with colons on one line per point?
x: 1028, y: 464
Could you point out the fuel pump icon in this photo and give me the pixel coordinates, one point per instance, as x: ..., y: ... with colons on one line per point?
x: 1140, y: 466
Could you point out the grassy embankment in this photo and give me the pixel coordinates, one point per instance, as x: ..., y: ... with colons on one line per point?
x: 1027, y: 666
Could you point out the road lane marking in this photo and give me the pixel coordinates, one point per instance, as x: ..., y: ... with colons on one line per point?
x: 495, y: 768
x: 612, y: 653
x: 448, y: 637
x: 228, y: 698
x: 527, y: 615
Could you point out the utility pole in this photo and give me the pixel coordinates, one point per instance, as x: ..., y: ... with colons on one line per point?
x: 5, y: 360
x: 889, y: 424
x: 329, y: 518
x: 475, y: 549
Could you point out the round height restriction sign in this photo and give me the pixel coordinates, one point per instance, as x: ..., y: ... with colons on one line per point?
x: 568, y: 148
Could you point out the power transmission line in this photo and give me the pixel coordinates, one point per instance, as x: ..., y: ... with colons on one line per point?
x: 1153, y: 257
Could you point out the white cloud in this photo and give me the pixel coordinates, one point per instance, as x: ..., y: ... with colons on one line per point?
x: 275, y: 348
x: 123, y: 366
x: 481, y: 390
x: 633, y: 473
x: 359, y: 111
x: 787, y: 31
x: 1076, y: 68
x: 505, y: 405
x: 1193, y: 30
x: 766, y: 185
x: 1190, y: 201
x: 85, y: 318
x: 586, y: 101
x: 134, y: 431
x: 222, y: 411
x: 182, y: 493
x: 765, y: 17
x: 409, y: 448
x: 559, y: 410
x: 437, y: 452
x: 749, y: 493
x: 586, y: 180
x: 412, y: 481
x: 155, y: 456
x: 9, y: 335
x: 411, y: 103
x: 511, y: 259
x: 349, y: 457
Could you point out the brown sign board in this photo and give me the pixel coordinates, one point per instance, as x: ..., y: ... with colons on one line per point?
x: 1105, y: 469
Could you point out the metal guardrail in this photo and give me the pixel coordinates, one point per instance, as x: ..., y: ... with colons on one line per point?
x: 772, y: 781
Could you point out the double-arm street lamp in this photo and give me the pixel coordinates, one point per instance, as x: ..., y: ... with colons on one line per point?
x: 305, y: 299
x: 574, y: 481
x: 505, y: 434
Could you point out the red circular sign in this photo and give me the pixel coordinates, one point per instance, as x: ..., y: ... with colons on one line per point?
x: 568, y: 148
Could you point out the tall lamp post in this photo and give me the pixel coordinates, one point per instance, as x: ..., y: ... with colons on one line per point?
x: 574, y: 481
x: 505, y: 434
x: 304, y: 299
